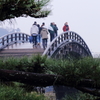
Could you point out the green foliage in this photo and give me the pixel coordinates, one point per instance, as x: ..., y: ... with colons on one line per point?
x: 80, y: 96
x: 76, y: 70
x: 23, y: 8
x: 88, y: 68
x: 39, y: 63
x: 71, y: 70
x: 8, y: 63
x: 16, y: 93
x: 32, y: 64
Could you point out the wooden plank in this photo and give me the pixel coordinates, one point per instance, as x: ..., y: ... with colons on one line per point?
x: 20, y: 52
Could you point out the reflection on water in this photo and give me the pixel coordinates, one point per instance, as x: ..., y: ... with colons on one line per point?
x: 49, y: 89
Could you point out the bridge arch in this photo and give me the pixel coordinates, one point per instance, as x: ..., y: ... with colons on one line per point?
x: 13, y: 38
x: 67, y: 43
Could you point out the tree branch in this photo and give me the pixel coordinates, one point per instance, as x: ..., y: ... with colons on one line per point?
x: 31, y: 78
x: 94, y: 92
x: 43, y: 80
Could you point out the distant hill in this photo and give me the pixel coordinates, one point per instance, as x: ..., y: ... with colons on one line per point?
x: 3, y: 32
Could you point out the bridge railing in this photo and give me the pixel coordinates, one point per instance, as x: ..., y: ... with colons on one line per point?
x: 13, y: 38
x: 68, y: 36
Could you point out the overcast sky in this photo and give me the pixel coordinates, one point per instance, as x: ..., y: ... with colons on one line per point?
x: 83, y: 17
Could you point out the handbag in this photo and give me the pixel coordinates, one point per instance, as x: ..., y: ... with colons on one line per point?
x: 30, y: 39
x: 34, y: 34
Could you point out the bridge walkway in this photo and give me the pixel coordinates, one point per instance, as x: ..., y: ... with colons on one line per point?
x: 21, y: 49
x: 67, y: 43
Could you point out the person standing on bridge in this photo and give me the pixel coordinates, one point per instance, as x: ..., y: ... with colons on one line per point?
x: 34, y: 33
x: 55, y: 28
x: 44, y: 34
x: 51, y: 31
x: 66, y: 27
x: 43, y: 25
x: 39, y: 36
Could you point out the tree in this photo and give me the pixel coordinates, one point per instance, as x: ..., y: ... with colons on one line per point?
x: 23, y: 8
x: 43, y: 80
x: 36, y: 8
x: 82, y: 74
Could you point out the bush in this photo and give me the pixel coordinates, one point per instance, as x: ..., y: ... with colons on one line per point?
x: 16, y: 93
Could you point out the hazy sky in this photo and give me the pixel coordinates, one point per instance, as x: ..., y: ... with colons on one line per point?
x: 83, y: 17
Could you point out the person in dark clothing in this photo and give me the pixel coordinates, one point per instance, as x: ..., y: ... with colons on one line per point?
x: 39, y: 36
x: 55, y: 29
x: 51, y: 31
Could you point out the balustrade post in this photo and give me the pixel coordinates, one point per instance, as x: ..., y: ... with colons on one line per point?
x: 11, y: 37
x: 22, y: 36
x: 61, y: 38
x: 75, y: 37
x: 15, y: 37
x: 70, y: 35
x: 55, y: 43
x: 7, y: 39
x: 2, y: 41
x: 52, y: 46
x: 19, y: 36
x: 65, y: 35
x: 27, y: 38
x: 58, y: 40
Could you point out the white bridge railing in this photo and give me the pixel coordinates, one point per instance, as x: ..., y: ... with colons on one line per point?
x: 62, y: 39
x: 13, y: 38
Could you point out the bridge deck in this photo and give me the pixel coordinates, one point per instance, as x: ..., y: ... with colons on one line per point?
x: 66, y: 43
x: 21, y: 49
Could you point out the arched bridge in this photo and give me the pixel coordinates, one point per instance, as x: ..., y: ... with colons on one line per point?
x: 13, y: 38
x: 67, y: 44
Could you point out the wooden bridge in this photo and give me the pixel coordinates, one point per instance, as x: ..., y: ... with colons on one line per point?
x: 67, y: 43
x: 20, y: 49
x: 16, y: 45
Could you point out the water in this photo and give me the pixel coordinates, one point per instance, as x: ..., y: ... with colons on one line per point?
x: 49, y: 89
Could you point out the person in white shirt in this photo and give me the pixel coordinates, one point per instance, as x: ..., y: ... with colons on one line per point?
x: 34, y: 33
